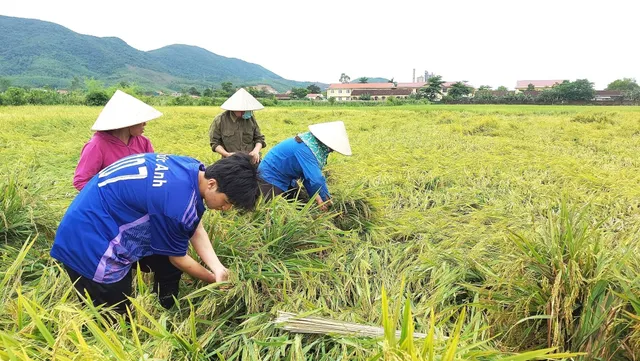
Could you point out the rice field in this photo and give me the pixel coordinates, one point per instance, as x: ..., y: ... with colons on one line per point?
x: 494, y: 232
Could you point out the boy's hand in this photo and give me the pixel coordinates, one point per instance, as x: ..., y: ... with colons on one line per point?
x: 221, y: 274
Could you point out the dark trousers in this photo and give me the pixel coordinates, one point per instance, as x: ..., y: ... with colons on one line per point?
x: 166, y: 282
x: 269, y: 191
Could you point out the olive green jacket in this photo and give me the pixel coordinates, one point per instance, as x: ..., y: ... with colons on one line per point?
x: 234, y: 133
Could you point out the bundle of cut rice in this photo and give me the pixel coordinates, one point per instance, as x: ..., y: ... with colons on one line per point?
x: 290, y: 322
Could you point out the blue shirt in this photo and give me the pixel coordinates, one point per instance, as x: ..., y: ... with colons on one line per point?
x: 141, y: 205
x: 289, y: 161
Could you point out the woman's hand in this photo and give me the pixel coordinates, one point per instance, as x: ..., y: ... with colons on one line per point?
x: 324, y: 205
x: 255, y: 156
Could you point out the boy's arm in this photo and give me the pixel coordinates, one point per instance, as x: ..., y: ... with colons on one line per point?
x: 202, y: 245
x: 192, y: 268
x: 204, y: 249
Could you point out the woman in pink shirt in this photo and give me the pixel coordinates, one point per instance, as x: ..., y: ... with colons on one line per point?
x: 119, y: 129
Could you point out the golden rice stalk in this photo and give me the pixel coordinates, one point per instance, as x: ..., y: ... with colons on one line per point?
x: 290, y: 322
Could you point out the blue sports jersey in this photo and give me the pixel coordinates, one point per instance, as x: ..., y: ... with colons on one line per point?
x: 289, y: 161
x: 141, y: 205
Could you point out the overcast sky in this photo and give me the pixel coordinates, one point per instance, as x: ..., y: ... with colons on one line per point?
x: 490, y: 42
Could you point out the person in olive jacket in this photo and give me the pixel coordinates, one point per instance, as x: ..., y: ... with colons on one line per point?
x: 236, y: 129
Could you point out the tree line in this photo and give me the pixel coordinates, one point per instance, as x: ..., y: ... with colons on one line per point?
x: 567, y: 92
x: 92, y: 92
x: 580, y: 91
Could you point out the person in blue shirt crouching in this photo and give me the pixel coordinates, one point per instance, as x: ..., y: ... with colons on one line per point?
x: 303, y: 157
x: 145, y: 210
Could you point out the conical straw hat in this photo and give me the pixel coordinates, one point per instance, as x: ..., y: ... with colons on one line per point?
x: 123, y: 111
x: 333, y: 135
x: 241, y: 101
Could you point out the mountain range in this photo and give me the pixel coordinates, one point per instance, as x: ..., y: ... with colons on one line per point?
x: 371, y: 80
x: 39, y: 53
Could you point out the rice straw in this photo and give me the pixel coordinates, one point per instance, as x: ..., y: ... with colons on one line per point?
x: 290, y: 322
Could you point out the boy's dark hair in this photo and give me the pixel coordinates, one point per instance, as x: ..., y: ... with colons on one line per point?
x: 237, y: 178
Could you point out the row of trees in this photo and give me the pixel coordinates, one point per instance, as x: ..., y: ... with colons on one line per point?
x: 21, y: 96
x: 433, y: 90
x: 88, y: 85
x: 227, y: 89
x: 624, y: 84
x: 301, y: 93
x: 544, y: 97
x: 579, y: 91
x: 93, y: 92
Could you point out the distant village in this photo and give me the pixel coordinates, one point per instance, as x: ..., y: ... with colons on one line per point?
x: 381, y: 91
x: 422, y: 89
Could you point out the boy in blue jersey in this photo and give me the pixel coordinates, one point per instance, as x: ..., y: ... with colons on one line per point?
x: 146, y: 209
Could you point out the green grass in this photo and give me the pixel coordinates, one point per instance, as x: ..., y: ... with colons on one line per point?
x: 514, y: 228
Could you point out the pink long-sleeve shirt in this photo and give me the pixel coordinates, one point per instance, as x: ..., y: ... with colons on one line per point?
x: 104, y: 149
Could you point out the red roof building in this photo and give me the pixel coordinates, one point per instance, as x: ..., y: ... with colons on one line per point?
x: 353, y: 91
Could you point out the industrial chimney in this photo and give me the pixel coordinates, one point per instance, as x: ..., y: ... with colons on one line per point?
x: 414, y: 75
